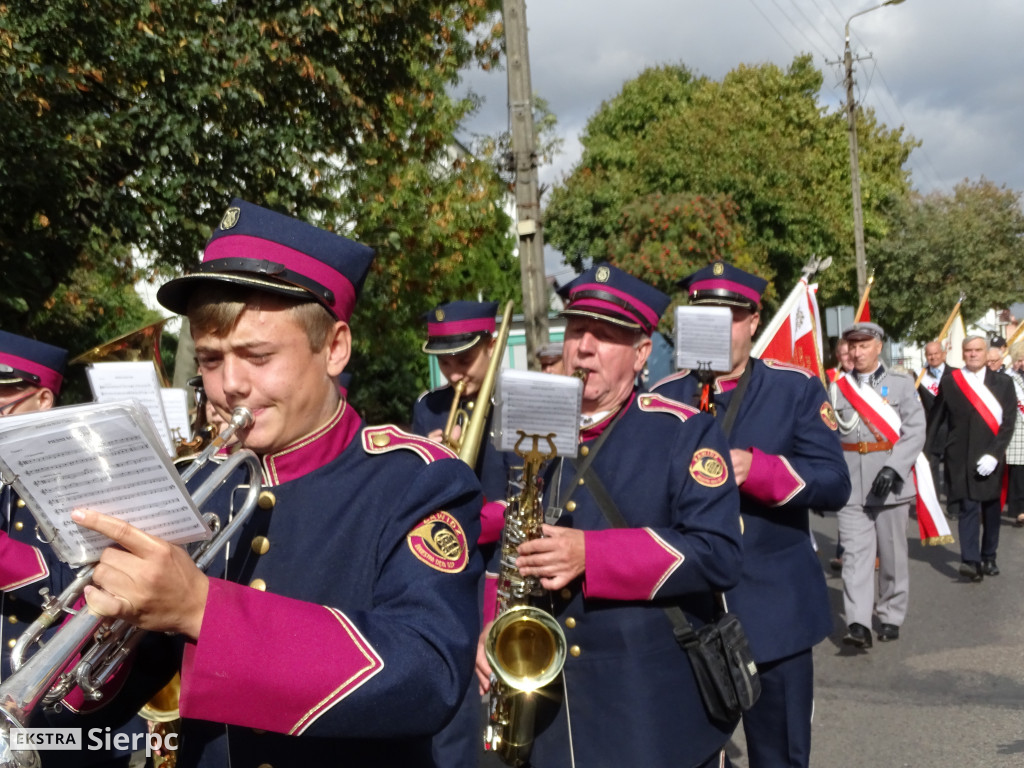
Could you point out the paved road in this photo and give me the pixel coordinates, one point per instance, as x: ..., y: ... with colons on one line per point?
x: 950, y: 692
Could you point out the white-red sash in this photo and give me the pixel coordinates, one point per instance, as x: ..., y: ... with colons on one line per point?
x: 981, y: 398
x: 874, y: 410
x: 929, y: 382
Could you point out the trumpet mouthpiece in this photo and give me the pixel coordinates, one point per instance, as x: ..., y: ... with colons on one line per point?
x: 241, y: 418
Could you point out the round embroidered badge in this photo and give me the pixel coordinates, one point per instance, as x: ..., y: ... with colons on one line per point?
x: 440, y: 542
x: 828, y: 415
x: 708, y: 468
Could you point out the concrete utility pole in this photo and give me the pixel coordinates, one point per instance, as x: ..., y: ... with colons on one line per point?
x: 528, y: 218
x: 851, y: 117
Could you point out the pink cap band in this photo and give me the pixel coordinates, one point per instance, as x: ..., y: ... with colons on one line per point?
x: 48, y: 377
x: 455, y: 327
x: 648, y: 318
x: 725, y: 285
x: 248, y: 247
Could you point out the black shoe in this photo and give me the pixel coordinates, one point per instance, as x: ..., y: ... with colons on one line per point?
x: 971, y: 571
x: 858, y: 635
x: 989, y: 567
x: 888, y: 632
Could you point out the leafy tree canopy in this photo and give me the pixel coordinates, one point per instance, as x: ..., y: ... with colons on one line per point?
x: 940, y: 245
x: 128, y: 126
x: 758, y: 138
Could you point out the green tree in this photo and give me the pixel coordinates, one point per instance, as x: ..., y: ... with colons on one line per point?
x: 940, y: 245
x: 128, y: 126
x: 758, y: 137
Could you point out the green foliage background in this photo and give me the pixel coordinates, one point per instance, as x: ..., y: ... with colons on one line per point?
x: 129, y: 126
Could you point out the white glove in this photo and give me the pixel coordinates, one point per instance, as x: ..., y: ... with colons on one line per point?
x: 987, y: 465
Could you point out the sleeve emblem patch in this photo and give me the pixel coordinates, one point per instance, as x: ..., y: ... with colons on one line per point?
x: 708, y: 468
x: 440, y: 542
x: 828, y: 415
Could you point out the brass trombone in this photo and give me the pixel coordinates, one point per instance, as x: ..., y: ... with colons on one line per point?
x: 49, y: 674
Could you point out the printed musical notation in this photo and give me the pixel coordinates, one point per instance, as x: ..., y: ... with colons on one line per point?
x: 704, y: 338
x: 106, y: 457
x: 537, y: 404
x: 113, y: 382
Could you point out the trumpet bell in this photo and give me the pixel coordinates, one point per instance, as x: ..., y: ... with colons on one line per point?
x: 525, y: 648
x: 14, y: 758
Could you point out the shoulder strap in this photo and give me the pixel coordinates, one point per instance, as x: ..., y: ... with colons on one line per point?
x: 734, y: 404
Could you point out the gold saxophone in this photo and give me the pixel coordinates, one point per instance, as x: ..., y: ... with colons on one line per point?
x: 524, y: 646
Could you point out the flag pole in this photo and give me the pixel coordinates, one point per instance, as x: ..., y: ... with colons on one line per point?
x: 944, y: 331
x: 864, y: 298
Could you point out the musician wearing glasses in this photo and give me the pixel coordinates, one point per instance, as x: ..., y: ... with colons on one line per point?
x: 460, y: 336
x: 787, y: 458
x: 341, y: 628
x: 627, y: 695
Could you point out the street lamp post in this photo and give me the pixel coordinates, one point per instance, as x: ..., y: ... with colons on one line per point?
x: 851, y: 117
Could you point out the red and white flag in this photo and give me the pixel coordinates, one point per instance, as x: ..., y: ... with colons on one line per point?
x: 794, y: 334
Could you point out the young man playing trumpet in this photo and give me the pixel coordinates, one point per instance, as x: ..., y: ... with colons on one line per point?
x: 346, y: 613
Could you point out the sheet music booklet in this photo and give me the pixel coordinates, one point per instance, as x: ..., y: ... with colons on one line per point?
x: 704, y: 338
x: 538, y: 404
x: 102, y: 456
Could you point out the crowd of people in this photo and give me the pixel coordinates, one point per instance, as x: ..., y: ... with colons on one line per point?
x: 351, y: 611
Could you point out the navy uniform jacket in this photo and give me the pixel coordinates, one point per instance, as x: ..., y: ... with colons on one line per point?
x: 345, y: 631
x: 431, y: 411
x: 969, y: 438
x: 786, y: 420
x: 27, y: 566
x: 632, y: 697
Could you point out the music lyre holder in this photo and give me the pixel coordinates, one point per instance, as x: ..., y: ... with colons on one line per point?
x: 706, y: 396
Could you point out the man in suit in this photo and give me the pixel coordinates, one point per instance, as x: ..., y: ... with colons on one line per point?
x: 928, y: 390
x: 787, y: 459
x: 979, y: 406
x: 882, y: 429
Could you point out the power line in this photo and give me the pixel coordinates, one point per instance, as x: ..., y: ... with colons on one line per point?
x: 811, y: 24
x: 799, y: 30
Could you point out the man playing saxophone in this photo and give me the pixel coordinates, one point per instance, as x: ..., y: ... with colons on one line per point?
x: 340, y: 630
x: 627, y: 694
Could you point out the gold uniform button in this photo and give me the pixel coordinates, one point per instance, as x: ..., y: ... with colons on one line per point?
x: 570, y: 622
x: 570, y: 507
x: 380, y: 439
x: 584, y: 450
x: 21, y: 504
x: 19, y: 525
x: 566, y: 593
x: 265, y: 765
x: 582, y: 481
x: 470, y: 404
x: 574, y: 651
x: 12, y: 619
x: 259, y: 584
x: 12, y: 642
x: 260, y: 545
x: 645, y: 402
x: 266, y: 500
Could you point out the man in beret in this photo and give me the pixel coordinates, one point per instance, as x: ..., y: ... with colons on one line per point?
x: 787, y: 460
x: 882, y: 429
x: 346, y: 615
x: 627, y: 694
x: 979, y: 406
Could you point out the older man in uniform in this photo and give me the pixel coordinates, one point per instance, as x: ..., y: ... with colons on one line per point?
x: 787, y: 460
x: 628, y: 695
x: 978, y: 404
x: 343, y: 626
x: 882, y: 429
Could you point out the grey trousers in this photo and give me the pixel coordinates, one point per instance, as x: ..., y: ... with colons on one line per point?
x: 867, y: 533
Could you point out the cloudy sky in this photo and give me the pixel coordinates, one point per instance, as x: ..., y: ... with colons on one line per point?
x: 950, y: 71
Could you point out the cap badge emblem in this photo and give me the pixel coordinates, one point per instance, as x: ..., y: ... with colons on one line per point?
x: 439, y: 314
x: 603, y: 273
x: 719, y: 268
x: 230, y: 219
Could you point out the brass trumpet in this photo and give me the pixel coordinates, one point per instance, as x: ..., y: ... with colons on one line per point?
x: 49, y: 674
